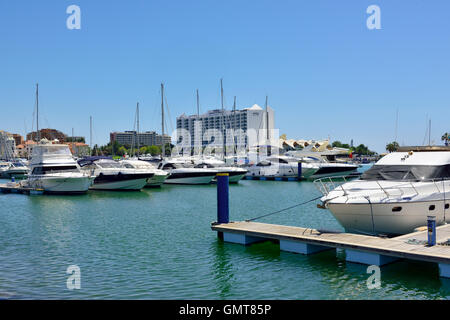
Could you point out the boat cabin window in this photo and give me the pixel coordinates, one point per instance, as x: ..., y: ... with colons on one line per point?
x: 54, y: 169
x: 204, y: 165
x: 127, y: 165
x: 405, y: 172
x: 263, y: 164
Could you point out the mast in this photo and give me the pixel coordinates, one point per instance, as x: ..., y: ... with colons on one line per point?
x: 223, y: 119
x: 90, y: 134
x: 234, y: 126
x: 162, y: 121
x: 429, y: 133
x: 267, y: 129
x: 198, y: 106
x: 137, y: 114
x: 37, y: 113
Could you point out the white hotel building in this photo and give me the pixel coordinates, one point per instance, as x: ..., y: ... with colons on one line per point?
x: 247, y: 126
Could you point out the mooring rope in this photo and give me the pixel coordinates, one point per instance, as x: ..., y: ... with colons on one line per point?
x: 282, y: 210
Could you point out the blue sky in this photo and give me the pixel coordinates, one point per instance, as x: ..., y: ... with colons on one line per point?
x: 326, y: 74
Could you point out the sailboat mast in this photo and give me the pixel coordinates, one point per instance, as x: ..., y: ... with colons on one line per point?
x: 234, y: 126
x: 37, y: 113
x: 198, y: 105
x: 429, y: 133
x: 90, y: 134
x: 267, y: 120
x: 223, y: 119
x: 137, y: 115
x: 162, y: 121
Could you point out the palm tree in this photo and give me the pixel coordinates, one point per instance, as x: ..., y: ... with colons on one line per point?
x: 446, y: 138
x: 393, y: 146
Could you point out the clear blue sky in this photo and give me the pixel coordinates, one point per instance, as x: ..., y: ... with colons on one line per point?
x: 325, y: 73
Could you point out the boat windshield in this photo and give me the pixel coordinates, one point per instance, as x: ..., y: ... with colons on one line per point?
x: 109, y: 164
x: 54, y: 169
x: 405, y: 172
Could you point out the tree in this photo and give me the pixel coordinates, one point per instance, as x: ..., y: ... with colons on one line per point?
x: 446, y: 138
x: 338, y: 144
x: 393, y: 146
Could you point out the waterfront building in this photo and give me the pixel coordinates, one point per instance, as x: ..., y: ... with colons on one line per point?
x: 132, y: 138
x: 241, y: 129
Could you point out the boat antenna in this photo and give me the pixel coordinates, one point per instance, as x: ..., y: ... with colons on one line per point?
x: 162, y: 121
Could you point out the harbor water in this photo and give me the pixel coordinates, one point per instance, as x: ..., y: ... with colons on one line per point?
x: 157, y: 244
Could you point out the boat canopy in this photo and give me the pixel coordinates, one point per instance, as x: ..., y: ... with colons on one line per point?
x: 407, y: 172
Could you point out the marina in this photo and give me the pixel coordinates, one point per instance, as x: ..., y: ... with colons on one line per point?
x: 143, y: 245
x: 227, y: 151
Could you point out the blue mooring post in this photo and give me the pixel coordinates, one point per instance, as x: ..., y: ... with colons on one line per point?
x: 431, y: 223
x: 223, y: 214
x: 299, y: 173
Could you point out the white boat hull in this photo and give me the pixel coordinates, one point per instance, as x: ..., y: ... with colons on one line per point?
x: 61, y: 185
x: 190, y: 180
x: 132, y: 184
x: 379, y: 218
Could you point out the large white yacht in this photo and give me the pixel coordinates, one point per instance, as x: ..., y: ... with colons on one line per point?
x: 159, y: 175
x: 111, y: 175
x: 280, y: 167
x: 54, y: 170
x: 182, y: 172
x: 235, y: 174
x: 396, y: 195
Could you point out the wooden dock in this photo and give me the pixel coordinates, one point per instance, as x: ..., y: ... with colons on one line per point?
x: 12, y: 187
x: 364, y: 249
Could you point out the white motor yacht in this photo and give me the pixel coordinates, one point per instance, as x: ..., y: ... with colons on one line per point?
x: 159, y: 175
x: 16, y: 169
x: 111, y: 175
x: 54, y: 170
x: 330, y: 169
x: 280, y: 167
x: 182, y: 172
x: 235, y: 174
x: 3, y: 167
x: 395, y: 196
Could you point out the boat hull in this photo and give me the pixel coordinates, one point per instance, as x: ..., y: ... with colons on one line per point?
x: 190, y: 178
x: 61, y: 185
x: 120, y: 181
x: 384, y: 218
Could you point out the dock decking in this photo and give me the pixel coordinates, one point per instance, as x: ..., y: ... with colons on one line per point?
x: 359, y: 248
x: 17, y: 188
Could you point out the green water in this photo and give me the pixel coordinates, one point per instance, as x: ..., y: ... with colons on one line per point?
x: 157, y: 244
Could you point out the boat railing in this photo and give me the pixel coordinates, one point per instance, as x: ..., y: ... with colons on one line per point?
x: 327, y: 184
